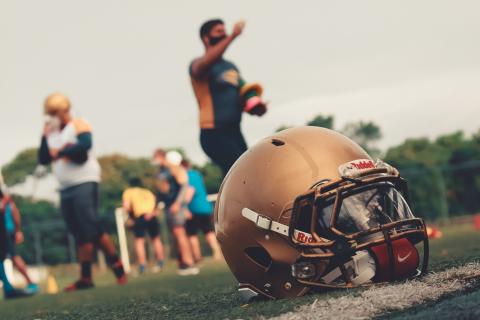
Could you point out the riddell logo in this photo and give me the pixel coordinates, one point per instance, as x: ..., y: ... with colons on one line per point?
x: 303, y: 236
x: 364, y: 164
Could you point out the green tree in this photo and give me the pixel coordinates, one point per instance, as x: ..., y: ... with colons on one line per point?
x: 420, y: 162
x: 462, y: 172
x: 365, y: 133
x: 212, y: 176
x: 20, y: 167
x: 282, y: 127
x: 117, y: 170
x: 322, y: 121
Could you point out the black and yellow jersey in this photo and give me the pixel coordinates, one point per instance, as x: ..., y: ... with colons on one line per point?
x: 218, y: 96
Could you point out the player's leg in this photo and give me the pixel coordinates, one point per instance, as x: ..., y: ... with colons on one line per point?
x: 8, y: 290
x: 183, y: 245
x: 206, y: 224
x: 238, y: 145
x: 217, y: 148
x: 141, y: 256
x: 196, y: 251
x: 20, y: 265
x: 83, y: 251
x: 191, y: 227
x: 176, y: 222
x: 89, y: 232
x: 113, y: 260
x: 213, y: 243
x: 18, y: 262
x: 7, y: 286
x: 223, y: 146
x: 98, y: 234
x: 154, y: 232
x: 139, y: 233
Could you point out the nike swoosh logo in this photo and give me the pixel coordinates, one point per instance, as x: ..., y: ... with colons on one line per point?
x: 401, y: 259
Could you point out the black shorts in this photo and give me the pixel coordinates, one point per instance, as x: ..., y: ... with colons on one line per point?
x: 79, y: 206
x: 223, y: 145
x: 151, y: 226
x: 199, y: 222
x: 3, y: 239
x: 11, y: 244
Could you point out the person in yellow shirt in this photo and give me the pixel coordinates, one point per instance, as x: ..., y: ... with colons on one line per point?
x: 140, y: 203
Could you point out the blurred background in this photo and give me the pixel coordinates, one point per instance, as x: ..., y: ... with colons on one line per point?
x: 399, y: 78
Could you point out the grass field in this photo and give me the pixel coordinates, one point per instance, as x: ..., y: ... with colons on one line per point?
x: 212, y: 294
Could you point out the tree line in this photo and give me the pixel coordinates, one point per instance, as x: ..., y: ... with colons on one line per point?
x: 443, y: 176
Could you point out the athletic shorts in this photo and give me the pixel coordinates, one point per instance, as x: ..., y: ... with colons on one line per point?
x: 3, y: 239
x: 142, y: 226
x: 177, y: 219
x: 223, y: 145
x: 199, y: 222
x: 11, y: 244
x: 79, y: 205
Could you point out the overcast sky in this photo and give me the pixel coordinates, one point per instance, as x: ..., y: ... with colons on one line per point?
x: 411, y: 66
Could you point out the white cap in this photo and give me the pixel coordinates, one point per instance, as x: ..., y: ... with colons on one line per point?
x: 174, y: 157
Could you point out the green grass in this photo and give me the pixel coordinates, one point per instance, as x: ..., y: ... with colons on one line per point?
x: 210, y: 295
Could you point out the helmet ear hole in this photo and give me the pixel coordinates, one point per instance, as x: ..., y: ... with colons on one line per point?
x: 277, y: 142
x: 259, y: 256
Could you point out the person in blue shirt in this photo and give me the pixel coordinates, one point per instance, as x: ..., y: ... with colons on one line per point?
x: 15, y: 236
x: 9, y: 291
x: 202, y: 217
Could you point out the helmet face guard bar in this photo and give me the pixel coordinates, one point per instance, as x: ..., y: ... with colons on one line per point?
x: 328, y: 243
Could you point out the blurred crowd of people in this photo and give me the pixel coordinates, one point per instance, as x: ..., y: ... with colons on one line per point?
x: 66, y: 145
x: 181, y: 195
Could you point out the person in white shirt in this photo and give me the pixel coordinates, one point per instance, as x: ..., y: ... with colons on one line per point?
x: 67, y: 145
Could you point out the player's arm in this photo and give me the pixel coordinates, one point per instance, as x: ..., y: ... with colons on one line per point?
x: 201, y: 65
x: 181, y: 177
x: 189, y: 193
x: 78, y: 151
x: 126, y: 203
x: 44, y: 156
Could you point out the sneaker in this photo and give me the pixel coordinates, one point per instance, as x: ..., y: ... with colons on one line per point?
x: 16, y: 293
x: 80, y: 285
x: 158, y: 267
x: 119, y: 272
x: 141, y: 269
x: 188, y: 271
x: 122, y: 279
x: 217, y: 256
x: 199, y: 263
x: 32, y: 288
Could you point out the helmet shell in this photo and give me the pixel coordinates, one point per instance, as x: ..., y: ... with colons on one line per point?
x: 266, y: 179
x: 56, y: 102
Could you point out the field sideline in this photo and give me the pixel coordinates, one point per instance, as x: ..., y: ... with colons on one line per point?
x: 212, y: 294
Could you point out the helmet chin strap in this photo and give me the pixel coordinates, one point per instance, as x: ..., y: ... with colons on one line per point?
x: 264, y: 222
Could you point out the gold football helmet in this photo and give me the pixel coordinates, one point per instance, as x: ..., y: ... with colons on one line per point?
x: 56, y: 102
x: 308, y: 208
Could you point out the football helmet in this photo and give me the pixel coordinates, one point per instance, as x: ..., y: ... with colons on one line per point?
x: 309, y: 208
x: 56, y: 102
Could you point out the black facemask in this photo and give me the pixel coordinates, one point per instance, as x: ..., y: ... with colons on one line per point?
x: 215, y: 40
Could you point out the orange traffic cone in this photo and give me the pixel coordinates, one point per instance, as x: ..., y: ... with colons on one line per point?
x: 476, y: 221
x: 434, y: 233
x: 52, y: 287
